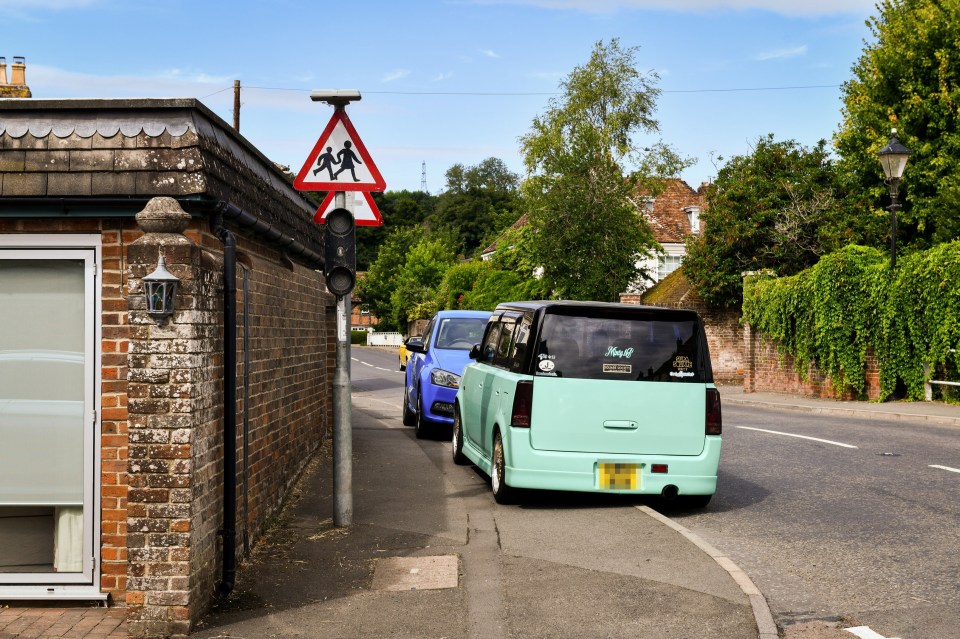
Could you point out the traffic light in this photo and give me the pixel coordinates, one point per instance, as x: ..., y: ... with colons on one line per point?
x: 340, y: 266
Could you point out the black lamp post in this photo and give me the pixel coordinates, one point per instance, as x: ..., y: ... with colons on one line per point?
x: 893, y: 158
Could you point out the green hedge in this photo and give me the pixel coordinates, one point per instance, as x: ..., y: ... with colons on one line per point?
x: 831, y: 314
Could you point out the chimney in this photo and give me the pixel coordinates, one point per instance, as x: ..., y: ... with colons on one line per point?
x: 17, y: 87
x: 18, y: 71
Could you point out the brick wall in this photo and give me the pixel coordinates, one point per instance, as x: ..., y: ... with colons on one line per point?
x: 724, y: 337
x: 176, y: 451
x: 292, y: 324
x: 161, y: 419
x: 768, y: 371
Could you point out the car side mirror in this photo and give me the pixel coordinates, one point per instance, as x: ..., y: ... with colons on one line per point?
x: 415, y: 344
x: 475, y: 352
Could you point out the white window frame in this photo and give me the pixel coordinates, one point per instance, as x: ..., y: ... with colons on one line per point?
x: 84, y: 585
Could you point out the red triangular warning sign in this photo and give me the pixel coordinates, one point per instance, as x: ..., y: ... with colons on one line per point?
x: 339, y: 161
x: 365, y: 211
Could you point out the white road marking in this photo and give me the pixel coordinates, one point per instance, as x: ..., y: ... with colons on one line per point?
x: 864, y: 632
x: 366, y: 364
x: 814, y: 439
x: 952, y: 470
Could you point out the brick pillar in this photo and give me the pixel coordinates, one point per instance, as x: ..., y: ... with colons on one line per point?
x: 750, y: 359
x: 168, y: 584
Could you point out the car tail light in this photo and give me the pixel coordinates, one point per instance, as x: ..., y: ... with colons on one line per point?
x: 714, y: 420
x: 522, y: 404
x: 658, y: 468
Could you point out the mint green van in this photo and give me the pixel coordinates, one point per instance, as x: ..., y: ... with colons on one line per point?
x: 589, y: 396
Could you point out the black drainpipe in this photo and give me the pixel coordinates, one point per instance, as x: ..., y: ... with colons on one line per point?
x: 229, y: 531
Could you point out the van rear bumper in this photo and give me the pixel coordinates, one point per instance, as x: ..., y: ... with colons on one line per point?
x: 553, y: 470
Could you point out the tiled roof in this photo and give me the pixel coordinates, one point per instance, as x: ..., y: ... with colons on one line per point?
x: 668, y: 220
x: 522, y: 221
x: 144, y: 148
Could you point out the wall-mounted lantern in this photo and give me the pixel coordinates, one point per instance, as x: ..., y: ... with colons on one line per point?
x: 160, y: 287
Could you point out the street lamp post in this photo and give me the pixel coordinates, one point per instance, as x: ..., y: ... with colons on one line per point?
x: 893, y: 158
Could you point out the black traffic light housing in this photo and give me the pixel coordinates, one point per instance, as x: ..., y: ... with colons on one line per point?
x: 340, y: 267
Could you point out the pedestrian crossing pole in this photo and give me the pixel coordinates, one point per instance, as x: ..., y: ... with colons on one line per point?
x: 340, y: 271
x: 342, y: 409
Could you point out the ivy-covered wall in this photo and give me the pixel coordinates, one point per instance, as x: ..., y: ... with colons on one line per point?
x: 835, y: 316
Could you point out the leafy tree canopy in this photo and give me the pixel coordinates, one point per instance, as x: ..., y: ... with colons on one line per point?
x: 376, y: 287
x: 586, y: 233
x: 417, y: 280
x: 908, y: 78
x: 775, y: 209
x: 479, y: 202
x: 399, y: 209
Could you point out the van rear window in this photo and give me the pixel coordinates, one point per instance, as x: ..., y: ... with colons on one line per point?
x: 651, y: 347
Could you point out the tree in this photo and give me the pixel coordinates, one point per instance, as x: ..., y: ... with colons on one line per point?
x: 375, y: 289
x: 585, y: 232
x: 774, y: 209
x: 399, y: 209
x: 414, y: 293
x: 908, y: 78
x: 479, y: 202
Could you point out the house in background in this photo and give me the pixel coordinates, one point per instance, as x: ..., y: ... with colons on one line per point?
x: 141, y: 456
x: 673, y: 216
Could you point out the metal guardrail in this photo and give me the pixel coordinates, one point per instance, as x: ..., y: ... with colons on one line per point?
x: 928, y: 385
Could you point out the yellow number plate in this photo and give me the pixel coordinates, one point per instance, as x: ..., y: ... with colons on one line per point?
x: 618, y: 476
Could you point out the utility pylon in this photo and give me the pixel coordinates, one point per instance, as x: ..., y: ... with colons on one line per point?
x: 423, y: 178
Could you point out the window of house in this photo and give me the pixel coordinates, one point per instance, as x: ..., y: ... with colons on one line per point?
x: 693, y: 215
x: 667, y: 264
x: 49, y: 332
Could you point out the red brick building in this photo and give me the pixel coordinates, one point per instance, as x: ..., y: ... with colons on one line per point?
x: 115, y: 480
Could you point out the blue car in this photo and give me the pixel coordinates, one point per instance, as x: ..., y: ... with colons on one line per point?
x: 433, y: 372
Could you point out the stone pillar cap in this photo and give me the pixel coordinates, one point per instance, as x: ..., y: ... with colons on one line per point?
x: 164, y: 216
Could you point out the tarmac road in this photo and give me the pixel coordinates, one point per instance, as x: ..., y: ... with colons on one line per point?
x: 430, y: 554
x: 837, y: 517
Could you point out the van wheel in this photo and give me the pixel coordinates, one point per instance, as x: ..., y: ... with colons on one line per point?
x: 697, y: 501
x: 502, y: 493
x: 458, y: 456
x: 409, y: 418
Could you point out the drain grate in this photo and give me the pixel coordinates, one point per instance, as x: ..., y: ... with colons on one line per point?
x: 416, y: 573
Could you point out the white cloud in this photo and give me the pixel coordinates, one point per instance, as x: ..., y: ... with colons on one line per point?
x: 194, y: 77
x: 23, y: 5
x: 777, y: 54
x: 52, y: 82
x: 25, y: 10
x: 395, y: 75
x: 442, y: 76
x: 489, y: 53
x: 788, y: 7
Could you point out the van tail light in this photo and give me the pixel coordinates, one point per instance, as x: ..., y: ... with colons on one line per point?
x: 522, y: 404
x: 714, y: 420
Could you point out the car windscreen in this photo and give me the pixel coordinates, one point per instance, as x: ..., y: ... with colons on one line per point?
x: 642, y: 346
x: 460, y: 333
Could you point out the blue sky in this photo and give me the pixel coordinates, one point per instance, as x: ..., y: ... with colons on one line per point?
x: 450, y: 81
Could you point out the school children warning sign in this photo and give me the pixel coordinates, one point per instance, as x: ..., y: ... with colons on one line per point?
x: 361, y: 204
x: 339, y: 161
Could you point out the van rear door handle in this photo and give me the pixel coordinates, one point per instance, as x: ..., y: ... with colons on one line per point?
x: 621, y: 424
